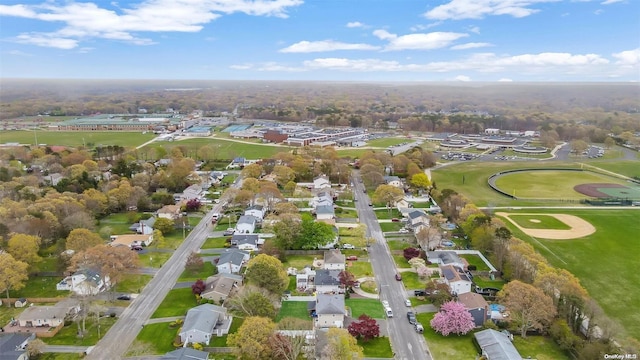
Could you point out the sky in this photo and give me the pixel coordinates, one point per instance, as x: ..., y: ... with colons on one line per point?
x: 323, y: 40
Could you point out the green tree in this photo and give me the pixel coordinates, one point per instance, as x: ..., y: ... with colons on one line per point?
x: 164, y: 225
x: 251, y: 339
x: 314, y: 234
x: 267, y: 272
x: 252, y: 301
x: 13, y: 273
x: 287, y: 231
x: 25, y: 248
x: 530, y: 307
x: 388, y: 194
x: 81, y: 239
x: 421, y: 181
x: 341, y: 345
x: 284, y: 175
x: 252, y: 171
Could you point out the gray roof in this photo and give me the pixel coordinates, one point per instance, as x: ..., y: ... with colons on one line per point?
x: 333, y: 256
x: 239, y: 239
x: 446, y: 257
x: 416, y: 214
x: 391, y: 178
x: 327, y: 277
x: 325, y: 209
x: 203, y: 318
x: 450, y: 272
x: 10, y: 345
x: 255, y: 207
x: 235, y: 257
x: 247, y: 219
x: 496, y: 345
x: 186, y: 354
x: 330, y: 304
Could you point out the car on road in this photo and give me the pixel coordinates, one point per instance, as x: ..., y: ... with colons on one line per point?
x: 352, y: 258
x: 398, y: 277
x: 411, y: 316
x: 418, y: 327
x: 407, y: 303
x: 124, y: 297
x: 229, y: 231
x: 348, y: 246
x: 370, y: 204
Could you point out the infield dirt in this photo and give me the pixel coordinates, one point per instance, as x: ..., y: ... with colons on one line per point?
x: 578, y: 227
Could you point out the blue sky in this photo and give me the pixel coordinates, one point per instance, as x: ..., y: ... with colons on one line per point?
x: 343, y: 40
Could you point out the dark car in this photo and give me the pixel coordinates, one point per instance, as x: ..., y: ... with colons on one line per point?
x: 419, y: 293
x: 395, y: 220
x: 137, y: 248
x: 398, y: 277
x: 411, y: 316
x: 124, y: 297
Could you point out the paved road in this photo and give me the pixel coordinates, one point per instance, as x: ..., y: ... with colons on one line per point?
x: 122, y: 334
x: 406, y: 343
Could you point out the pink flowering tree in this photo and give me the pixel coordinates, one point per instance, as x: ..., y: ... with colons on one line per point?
x: 453, y: 318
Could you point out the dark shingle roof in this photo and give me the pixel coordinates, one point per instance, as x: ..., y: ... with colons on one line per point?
x: 496, y: 345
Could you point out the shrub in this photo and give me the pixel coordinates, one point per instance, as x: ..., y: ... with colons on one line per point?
x: 472, y: 268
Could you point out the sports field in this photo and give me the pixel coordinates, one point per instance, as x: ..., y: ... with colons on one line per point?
x: 606, y: 262
x: 76, y: 138
x: 225, y: 149
x: 539, y: 221
x: 385, y: 142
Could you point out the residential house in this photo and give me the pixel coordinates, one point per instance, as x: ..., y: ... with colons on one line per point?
x: 186, y: 354
x: 144, y: 226
x: 496, y: 345
x: 203, y: 322
x: 330, y: 310
x: 85, y: 282
x: 171, y: 212
x: 305, y: 279
x: 246, y: 242
x: 445, y: 257
x: 418, y: 216
x: 217, y: 176
x: 458, y: 281
x: 231, y: 261
x: 334, y: 260
x: 321, y: 199
x: 257, y: 211
x: 325, y: 212
x: 246, y: 225
x: 393, y: 181
x: 192, y: 192
x: 220, y: 286
x: 132, y: 240
x: 321, y: 182
x: 476, y: 305
x: 14, y: 346
x: 47, y: 316
x: 328, y: 281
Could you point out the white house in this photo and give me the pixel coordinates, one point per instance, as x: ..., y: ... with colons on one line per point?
x: 257, y: 211
x: 192, y: 192
x: 418, y: 216
x: 330, y: 310
x: 458, y: 281
x: 328, y: 281
x: 200, y: 324
x: 171, y: 212
x: 325, y: 212
x: 231, y: 261
x: 496, y: 345
x: 333, y: 260
x: 219, y: 286
x: 445, y: 257
x: 186, y: 354
x: 305, y: 279
x: 131, y: 240
x: 36, y: 316
x: 245, y: 242
x: 144, y: 226
x: 393, y: 181
x: 84, y: 282
x: 321, y: 182
x: 320, y: 199
x: 246, y: 225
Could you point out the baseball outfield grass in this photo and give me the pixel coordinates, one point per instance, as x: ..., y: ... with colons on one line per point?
x: 606, y: 262
x: 76, y: 138
x: 539, y: 222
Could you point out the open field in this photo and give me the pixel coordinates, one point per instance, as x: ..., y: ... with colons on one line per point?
x: 225, y: 149
x: 351, y: 152
x: 475, y: 175
x: 153, y: 339
x: 605, y: 261
x: 550, y: 184
x: 386, y: 142
x: 539, y: 221
x: 294, y: 309
x: 76, y: 138
x: 626, y: 168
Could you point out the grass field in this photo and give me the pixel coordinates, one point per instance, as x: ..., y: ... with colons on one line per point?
x: 627, y: 168
x: 371, y: 307
x: 539, y: 222
x: 176, y: 303
x: 133, y: 283
x: 550, y: 184
x: 76, y: 138
x: 386, y: 142
x: 377, y: 348
x: 225, y: 149
x: 214, y: 243
x: 294, y: 309
x: 605, y: 261
x: 475, y: 260
x: 470, y: 179
x: 446, y: 347
x: 68, y: 335
x: 153, y: 339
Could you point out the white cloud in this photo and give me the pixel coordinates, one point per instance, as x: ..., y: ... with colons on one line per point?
x: 505, y: 80
x: 354, y: 24
x: 609, y: 2
x: 628, y: 58
x: 470, y: 46
x: 474, y: 29
x: 325, y: 45
x: 421, y: 27
x: 84, y: 21
x: 18, y: 53
x: 353, y: 65
x: 478, y: 9
x: 420, y: 41
x: 462, y: 78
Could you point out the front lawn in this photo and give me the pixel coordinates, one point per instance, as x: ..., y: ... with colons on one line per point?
x: 379, y: 347
x: 446, y: 347
x: 401, y: 262
x: 398, y: 244
x: 371, y: 307
x: 206, y: 271
x: 176, y: 303
x: 215, y: 243
x: 39, y: 287
x: 133, y: 283
x: 412, y: 281
x: 153, y: 339
x: 360, y: 268
x: 391, y: 226
x: 386, y: 214
x: 369, y: 286
x: 224, y: 224
x: 346, y: 213
x: 68, y: 335
x: 294, y: 309
x: 154, y: 259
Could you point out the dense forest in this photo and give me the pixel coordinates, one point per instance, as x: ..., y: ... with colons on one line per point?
x: 567, y: 110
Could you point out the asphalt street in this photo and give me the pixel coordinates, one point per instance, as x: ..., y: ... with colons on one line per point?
x: 122, y: 334
x: 405, y: 342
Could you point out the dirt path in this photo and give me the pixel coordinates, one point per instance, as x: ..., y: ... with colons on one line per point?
x: 578, y: 227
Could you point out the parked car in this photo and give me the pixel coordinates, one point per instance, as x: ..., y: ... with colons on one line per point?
x: 124, y: 297
x: 419, y: 293
x: 137, y: 248
x: 398, y: 277
x: 411, y: 316
x: 407, y: 303
x: 395, y: 220
x: 403, y: 231
x: 352, y: 258
x: 418, y: 327
x: 229, y: 231
x: 348, y: 246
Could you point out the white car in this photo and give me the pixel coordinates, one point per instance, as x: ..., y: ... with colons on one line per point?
x: 348, y: 246
x: 403, y: 231
x: 407, y: 303
x: 385, y: 303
